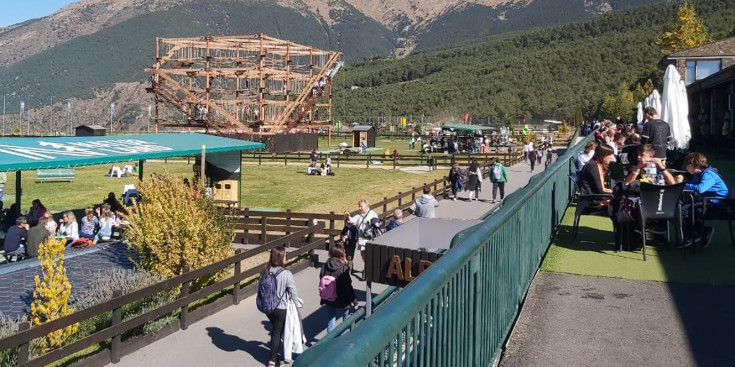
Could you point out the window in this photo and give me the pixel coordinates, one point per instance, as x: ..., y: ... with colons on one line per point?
x: 700, y: 69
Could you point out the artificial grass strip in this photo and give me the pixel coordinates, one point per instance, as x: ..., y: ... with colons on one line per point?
x: 592, y: 253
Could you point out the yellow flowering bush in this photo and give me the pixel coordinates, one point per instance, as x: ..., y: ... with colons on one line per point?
x: 51, y: 293
x: 170, y: 229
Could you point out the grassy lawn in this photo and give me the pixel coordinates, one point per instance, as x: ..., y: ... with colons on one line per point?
x: 592, y: 254
x: 263, y: 187
x: 290, y: 188
x: 380, y: 142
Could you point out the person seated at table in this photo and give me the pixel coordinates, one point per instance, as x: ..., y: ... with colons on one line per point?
x: 90, y: 223
x: 115, y: 171
x: 107, y: 220
x: 35, y: 213
x: 706, y: 182
x: 15, y: 239
x: 591, y: 179
x: 115, y: 205
x: 36, y: 236
x: 9, y: 217
x: 648, y: 167
x: 51, y: 224
x: 69, y: 228
x: 585, y: 155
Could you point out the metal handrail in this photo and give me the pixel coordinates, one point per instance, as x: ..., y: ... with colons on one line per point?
x: 460, y: 310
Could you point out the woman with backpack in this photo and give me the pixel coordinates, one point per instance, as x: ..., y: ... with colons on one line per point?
x: 277, y: 297
x: 335, y: 286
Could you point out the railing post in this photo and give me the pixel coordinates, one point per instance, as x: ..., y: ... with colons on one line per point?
x: 236, y: 287
x: 263, y: 232
x: 285, y: 160
x: 400, y: 198
x: 394, y: 161
x: 413, y: 193
x: 331, y: 229
x: 368, y: 159
x: 288, y: 222
x: 337, y: 161
x: 259, y: 159
x: 24, y: 349
x: 385, y: 204
x: 117, y: 339
x: 184, y: 318
x: 435, y: 185
x: 444, y: 189
x: 246, y: 217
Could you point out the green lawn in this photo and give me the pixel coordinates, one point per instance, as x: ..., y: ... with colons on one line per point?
x: 592, y: 254
x: 380, y: 142
x: 263, y: 187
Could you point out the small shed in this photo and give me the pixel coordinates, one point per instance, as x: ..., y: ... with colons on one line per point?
x: 91, y: 130
x: 362, y: 133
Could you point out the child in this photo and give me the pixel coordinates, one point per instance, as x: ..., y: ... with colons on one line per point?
x: 337, y: 268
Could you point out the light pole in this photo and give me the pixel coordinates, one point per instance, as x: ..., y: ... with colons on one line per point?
x: 4, y: 95
x: 68, y: 117
x: 22, y: 108
x: 112, y: 113
x: 51, y: 127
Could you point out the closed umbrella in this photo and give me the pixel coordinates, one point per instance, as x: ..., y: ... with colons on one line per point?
x: 639, y: 116
x: 685, y: 129
x: 673, y: 109
x: 656, y: 101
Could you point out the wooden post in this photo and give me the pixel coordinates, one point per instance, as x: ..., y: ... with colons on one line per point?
x: 435, y: 185
x: 245, y: 216
x: 288, y: 222
x: 285, y: 160
x: 259, y: 159
x: 445, y: 188
x: 236, y: 287
x: 184, y: 318
x: 24, y: 349
x: 385, y: 204
x: 368, y: 159
x: 394, y: 161
x: 400, y: 198
x: 263, y: 234
x: 337, y: 161
x: 413, y: 193
x: 331, y: 229
x: 117, y: 339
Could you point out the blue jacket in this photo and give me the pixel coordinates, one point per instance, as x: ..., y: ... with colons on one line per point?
x: 708, y: 183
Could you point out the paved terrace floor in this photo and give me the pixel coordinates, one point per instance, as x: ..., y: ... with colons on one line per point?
x: 238, y: 335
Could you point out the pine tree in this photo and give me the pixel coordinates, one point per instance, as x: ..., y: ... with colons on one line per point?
x: 51, y: 294
x: 686, y: 32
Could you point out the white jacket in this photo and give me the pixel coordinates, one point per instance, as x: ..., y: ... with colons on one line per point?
x: 293, y: 332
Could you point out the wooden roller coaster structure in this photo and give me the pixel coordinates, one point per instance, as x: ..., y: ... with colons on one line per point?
x: 252, y: 84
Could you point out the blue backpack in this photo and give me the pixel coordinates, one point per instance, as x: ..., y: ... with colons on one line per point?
x: 268, y: 299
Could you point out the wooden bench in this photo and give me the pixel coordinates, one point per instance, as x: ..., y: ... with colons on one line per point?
x: 56, y: 174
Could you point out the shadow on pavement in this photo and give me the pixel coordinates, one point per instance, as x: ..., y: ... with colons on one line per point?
x: 233, y: 343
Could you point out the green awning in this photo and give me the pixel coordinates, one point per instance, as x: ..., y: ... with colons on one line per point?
x: 20, y: 154
x: 462, y: 127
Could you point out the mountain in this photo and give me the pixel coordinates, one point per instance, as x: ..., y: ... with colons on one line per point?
x: 89, y: 48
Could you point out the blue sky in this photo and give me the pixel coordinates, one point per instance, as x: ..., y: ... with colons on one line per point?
x: 16, y: 11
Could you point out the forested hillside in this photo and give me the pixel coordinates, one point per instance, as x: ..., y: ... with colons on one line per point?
x: 545, y: 73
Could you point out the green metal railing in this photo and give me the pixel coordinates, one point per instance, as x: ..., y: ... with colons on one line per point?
x: 459, y: 311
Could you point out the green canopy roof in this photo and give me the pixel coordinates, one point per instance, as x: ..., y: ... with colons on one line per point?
x: 19, y: 154
x: 462, y: 127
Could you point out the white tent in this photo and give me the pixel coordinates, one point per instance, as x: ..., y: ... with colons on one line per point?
x: 674, y: 109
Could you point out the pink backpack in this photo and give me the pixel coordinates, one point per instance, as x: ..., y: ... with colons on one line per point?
x: 328, y: 288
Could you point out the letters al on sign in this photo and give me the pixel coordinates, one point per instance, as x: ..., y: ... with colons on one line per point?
x: 88, y: 149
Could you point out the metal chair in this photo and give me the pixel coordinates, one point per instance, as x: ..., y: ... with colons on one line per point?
x: 584, y: 207
x: 661, y: 203
x: 724, y: 210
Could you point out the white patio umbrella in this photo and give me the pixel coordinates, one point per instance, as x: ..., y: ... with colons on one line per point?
x: 656, y: 101
x: 639, y: 113
x: 672, y: 110
x: 685, y: 129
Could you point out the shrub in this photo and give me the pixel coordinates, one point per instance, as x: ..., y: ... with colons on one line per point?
x: 8, y: 327
x: 51, y: 295
x: 171, y: 230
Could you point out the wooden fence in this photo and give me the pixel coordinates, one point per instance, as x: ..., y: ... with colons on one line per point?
x: 433, y: 160
x: 304, y: 240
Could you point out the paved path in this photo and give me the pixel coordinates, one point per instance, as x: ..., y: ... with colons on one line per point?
x: 82, y: 267
x: 574, y: 320
x: 238, y: 335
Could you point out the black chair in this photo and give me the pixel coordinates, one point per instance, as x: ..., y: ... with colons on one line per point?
x: 617, y: 172
x: 585, y: 206
x: 661, y: 203
x: 724, y: 210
